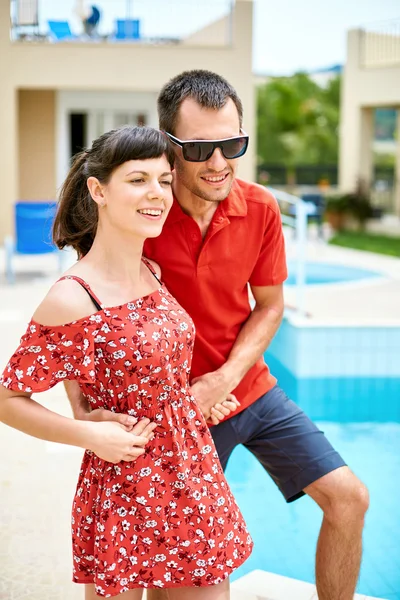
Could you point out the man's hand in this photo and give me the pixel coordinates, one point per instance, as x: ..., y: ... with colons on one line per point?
x: 209, y: 389
x: 114, y: 442
x: 213, y: 395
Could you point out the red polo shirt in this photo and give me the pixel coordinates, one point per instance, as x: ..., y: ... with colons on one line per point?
x: 209, y: 278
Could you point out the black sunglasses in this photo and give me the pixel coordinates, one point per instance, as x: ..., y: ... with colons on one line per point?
x: 202, y: 150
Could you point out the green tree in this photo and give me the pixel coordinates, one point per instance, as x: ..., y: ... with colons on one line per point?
x: 298, y: 121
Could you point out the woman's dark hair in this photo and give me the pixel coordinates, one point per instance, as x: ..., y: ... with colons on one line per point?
x: 208, y: 89
x: 77, y: 214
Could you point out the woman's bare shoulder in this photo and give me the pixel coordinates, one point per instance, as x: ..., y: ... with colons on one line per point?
x: 66, y: 301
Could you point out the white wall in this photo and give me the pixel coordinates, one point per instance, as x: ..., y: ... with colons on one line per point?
x: 93, y: 102
x: 363, y: 89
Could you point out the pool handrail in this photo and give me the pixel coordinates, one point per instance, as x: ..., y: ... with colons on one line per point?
x: 299, y: 223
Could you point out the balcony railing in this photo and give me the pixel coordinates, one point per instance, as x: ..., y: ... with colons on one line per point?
x: 380, y: 44
x: 191, y: 22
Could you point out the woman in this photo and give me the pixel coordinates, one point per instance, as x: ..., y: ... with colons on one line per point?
x: 163, y: 516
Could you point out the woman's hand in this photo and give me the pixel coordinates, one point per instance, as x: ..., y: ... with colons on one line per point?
x: 222, y: 409
x: 102, y: 414
x: 114, y: 442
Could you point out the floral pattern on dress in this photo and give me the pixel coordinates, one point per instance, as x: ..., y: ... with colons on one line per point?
x: 167, y: 519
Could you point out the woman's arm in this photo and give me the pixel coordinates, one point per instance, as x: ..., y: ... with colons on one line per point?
x: 20, y: 411
x: 110, y: 441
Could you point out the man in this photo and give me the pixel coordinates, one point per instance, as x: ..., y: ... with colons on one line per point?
x: 90, y: 17
x: 221, y: 235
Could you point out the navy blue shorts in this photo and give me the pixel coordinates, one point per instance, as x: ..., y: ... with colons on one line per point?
x: 284, y: 440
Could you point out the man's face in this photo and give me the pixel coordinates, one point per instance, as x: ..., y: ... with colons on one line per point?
x: 210, y: 180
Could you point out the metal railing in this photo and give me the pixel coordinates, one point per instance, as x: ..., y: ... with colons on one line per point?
x: 209, y: 22
x: 380, y: 44
x: 299, y: 223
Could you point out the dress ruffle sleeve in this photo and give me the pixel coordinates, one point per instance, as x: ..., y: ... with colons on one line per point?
x: 48, y: 355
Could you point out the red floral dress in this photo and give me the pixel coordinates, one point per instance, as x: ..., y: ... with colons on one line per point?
x: 167, y: 519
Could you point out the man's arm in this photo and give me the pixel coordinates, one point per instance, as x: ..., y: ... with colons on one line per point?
x: 82, y: 411
x: 79, y: 405
x: 251, y: 343
x: 256, y: 334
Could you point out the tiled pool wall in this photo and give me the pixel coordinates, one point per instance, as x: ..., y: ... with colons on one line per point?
x: 343, y: 373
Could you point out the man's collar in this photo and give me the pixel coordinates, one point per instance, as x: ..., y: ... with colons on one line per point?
x: 234, y: 205
x: 175, y: 214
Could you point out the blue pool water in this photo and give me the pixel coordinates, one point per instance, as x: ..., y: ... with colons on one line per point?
x: 345, y: 398
x: 347, y: 380
x: 318, y: 273
x: 285, y: 535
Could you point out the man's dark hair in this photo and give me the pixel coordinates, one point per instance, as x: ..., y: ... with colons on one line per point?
x: 208, y: 89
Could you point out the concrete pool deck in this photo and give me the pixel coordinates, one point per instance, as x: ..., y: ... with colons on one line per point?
x: 261, y: 585
x: 374, y: 301
x: 37, y: 479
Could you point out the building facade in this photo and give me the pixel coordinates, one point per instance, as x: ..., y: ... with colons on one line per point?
x: 58, y: 96
x: 371, y: 80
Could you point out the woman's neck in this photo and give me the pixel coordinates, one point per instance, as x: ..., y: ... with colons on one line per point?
x: 116, y: 256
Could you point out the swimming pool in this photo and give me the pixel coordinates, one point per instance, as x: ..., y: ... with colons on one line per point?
x: 285, y: 535
x: 338, y: 373
x: 322, y: 273
x: 348, y: 381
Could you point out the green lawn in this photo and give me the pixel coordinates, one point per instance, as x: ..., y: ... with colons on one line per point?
x: 381, y: 244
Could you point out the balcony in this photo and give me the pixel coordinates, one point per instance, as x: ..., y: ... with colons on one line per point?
x: 380, y: 45
x: 187, y: 22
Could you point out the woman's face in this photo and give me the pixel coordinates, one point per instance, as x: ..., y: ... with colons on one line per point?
x: 137, y: 197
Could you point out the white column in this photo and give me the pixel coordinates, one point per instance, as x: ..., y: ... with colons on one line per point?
x: 9, y: 158
x: 356, y: 145
x: 242, y: 30
x: 397, y: 169
x: 365, y: 160
x: 352, y: 119
x: 8, y: 127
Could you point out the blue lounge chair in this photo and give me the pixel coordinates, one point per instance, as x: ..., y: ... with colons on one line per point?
x: 128, y: 29
x: 33, y: 225
x: 60, y: 31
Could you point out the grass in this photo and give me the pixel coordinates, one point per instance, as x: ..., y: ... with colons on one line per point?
x: 381, y: 244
